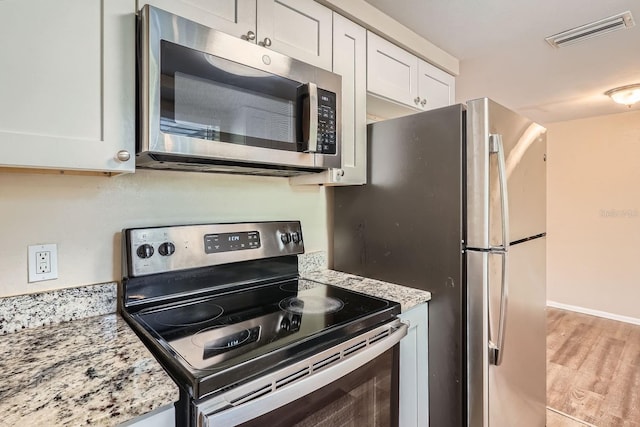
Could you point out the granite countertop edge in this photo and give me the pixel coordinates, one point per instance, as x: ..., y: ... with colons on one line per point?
x: 407, y: 297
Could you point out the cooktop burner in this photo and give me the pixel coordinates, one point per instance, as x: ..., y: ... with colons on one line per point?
x: 189, y: 315
x: 311, y: 304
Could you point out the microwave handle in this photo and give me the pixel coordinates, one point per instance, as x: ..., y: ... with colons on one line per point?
x: 312, y: 113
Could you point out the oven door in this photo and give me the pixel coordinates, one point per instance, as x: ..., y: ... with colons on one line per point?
x: 205, y: 95
x: 355, y: 383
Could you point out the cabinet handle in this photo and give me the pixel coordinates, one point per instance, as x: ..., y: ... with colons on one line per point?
x: 123, y: 155
x: 417, y: 100
x: 423, y: 102
x: 266, y: 42
x: 249, y: 36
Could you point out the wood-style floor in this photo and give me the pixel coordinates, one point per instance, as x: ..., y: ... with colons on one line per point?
x: 593, y: 371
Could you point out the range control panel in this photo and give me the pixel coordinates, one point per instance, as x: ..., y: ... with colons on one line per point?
x: 224, y: 242
x: 161, y: 249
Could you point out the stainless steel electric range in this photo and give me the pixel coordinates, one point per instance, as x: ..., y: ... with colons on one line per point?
x: 250, y: 342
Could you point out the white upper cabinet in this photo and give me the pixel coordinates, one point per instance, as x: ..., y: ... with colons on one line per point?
x: 350, y: 61
x: 236, y: 17
x: 436, y: 88
x: 393, y: 72
x: 399, y: 76
x: 300, y: 29
x: 67, y: 96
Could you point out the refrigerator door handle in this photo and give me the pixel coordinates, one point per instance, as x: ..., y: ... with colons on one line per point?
x: 496, y: 350
x: 496, y: 146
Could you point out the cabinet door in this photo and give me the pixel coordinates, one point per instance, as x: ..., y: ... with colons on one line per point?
x: 67, y: 87
x: 300, y: 29
x: 392, y: 71
x: 235, y: 17
x: 162, y: 417
x: 414, y: 373
x: 436, y: 87
x: 350, y: 61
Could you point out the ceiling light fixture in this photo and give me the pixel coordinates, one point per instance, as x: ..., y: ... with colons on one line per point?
x: 627, y: 95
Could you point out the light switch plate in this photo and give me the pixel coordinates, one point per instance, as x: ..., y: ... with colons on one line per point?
x: 42, y: 262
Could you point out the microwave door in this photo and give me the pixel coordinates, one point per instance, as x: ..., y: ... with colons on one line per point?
x: 221, y: 101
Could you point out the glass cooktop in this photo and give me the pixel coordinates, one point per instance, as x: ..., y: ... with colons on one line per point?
x: 212, y: 334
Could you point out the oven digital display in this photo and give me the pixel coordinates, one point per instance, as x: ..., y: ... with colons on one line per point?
x: 225, y: 242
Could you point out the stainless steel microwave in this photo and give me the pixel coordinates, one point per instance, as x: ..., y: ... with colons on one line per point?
x: 212, y: 102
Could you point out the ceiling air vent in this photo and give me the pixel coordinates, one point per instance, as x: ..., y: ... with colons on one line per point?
x: 617, y: 22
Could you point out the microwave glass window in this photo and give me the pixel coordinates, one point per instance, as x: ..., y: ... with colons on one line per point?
x: 207, y: 97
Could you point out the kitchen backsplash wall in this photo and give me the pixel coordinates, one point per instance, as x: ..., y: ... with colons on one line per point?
x: 84, y: 215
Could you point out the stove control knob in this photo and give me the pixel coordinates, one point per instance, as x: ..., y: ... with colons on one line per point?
x: 166, y: 249
x: 285, y: 324
x: 285, y: 237
x: 296, y: 237
x: 295, y: 322
x: 145, y: 251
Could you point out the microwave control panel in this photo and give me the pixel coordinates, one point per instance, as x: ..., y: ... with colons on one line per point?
x: 326, y: 122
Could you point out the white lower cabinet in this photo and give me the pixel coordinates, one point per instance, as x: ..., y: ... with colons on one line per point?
x: 414, y: 374
x: 161, y: 417
x: 67, y: 88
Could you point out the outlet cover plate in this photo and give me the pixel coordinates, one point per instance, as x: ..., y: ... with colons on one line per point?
x: 32, y: 262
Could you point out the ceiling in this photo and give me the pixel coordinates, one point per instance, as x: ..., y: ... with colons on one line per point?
x: 503, y: 54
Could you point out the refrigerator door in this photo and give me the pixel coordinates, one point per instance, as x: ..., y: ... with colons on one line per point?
x: 517, y: 387
x: 512, y: 393
x: 406, y: 226
x: 524, y: 144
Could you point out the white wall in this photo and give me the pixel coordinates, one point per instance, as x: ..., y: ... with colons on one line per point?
x: 85, y: 214
x: 593, y: 257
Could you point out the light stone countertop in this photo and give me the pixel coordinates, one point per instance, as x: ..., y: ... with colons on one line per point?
x: 407, y: 297
x: 91, y: 371
x: 95, y: 370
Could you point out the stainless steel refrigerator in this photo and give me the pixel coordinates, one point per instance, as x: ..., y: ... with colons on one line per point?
x: 455, y: 204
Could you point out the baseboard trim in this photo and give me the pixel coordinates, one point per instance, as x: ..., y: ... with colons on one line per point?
x: 597, y: 313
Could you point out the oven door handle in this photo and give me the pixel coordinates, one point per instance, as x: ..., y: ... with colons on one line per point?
x: 261, y: 396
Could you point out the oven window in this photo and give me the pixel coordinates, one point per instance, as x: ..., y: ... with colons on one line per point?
x: 207, y: 97
x: 367, y: 396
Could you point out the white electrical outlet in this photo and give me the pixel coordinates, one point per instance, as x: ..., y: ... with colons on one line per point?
x: 43, y: 262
